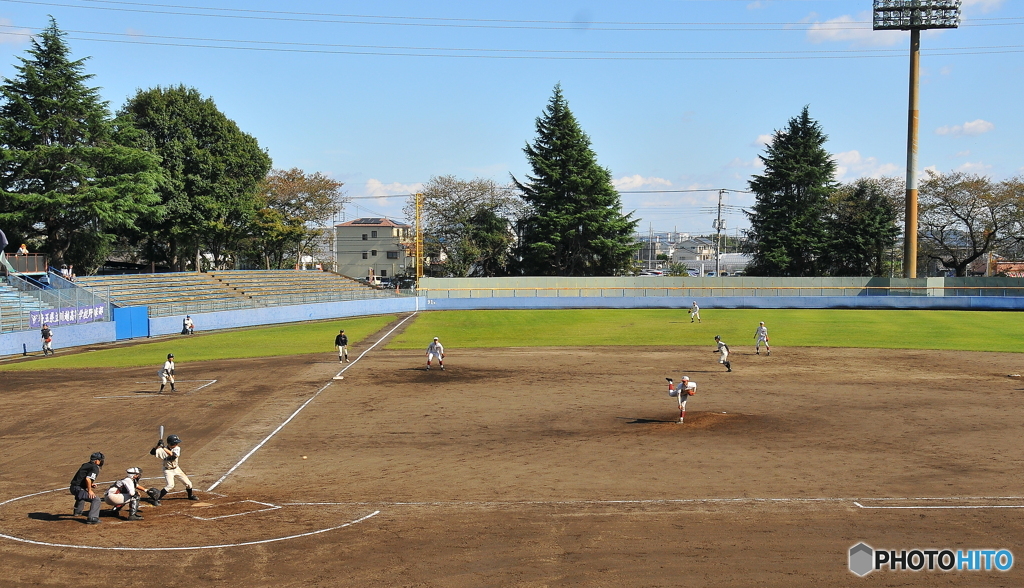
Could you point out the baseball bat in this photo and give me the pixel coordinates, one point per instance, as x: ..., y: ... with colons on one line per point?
x: 161, y: 431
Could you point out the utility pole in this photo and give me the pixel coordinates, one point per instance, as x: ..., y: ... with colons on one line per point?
x: 419, y: 238
x: 914, y: 16
x: 718, y: 224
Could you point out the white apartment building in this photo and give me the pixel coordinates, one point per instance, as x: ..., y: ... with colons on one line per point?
x: 373, y: 247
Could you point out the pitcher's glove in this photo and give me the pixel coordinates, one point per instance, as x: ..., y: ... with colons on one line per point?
x: 669, y: 379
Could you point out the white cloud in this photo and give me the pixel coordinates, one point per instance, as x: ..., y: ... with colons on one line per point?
x: 12, y: 36
x: 972, y: 128
x: 982, y: 6
x: 974, y: 167
x: 946, y: 70
x: 856, y: 29
x: 763, y: 140
x: 378, y: 188
x: 851, y: 165
x: 742, y: 163
x: 635, y: 182
x: 965, y: 153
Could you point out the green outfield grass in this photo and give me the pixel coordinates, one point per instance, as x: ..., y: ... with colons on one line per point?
x: 892, y: 329
x: 291, y: 339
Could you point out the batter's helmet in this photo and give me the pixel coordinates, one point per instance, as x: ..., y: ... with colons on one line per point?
x: 173, y: 440
x: 134, y: 472
x: 96, y: 456
x: 170, y: 356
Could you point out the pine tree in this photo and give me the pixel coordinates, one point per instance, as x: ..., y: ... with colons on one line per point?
x: 577, y: 227
x: 787, y: 225
x: 65, y: 182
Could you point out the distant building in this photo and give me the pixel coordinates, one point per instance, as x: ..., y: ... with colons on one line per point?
x: 373, y: 246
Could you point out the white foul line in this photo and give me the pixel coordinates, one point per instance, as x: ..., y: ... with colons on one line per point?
x: 304, y: 404
x: 945, y: 507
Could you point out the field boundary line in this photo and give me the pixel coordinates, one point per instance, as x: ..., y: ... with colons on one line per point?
x: 304, y: 405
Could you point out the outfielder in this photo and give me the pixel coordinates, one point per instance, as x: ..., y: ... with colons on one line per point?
x: 341, y: 342
x: 724, y: 350
x: 682, y: 392
x: 167, y: 373
x: 694, y: 312
x: 435, y: 349
x: 126, y: 491
x: 761, y: 334
x: 170, y: 454
x: 47, y: 336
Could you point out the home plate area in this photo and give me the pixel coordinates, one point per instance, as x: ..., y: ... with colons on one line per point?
x: 216, y: 521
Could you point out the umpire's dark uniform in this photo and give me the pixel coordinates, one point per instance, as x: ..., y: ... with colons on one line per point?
x: 90, y: 470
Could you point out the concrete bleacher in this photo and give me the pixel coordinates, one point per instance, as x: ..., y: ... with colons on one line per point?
x: 15, y: 307
x: 167, y: 293
x: 192, y: 292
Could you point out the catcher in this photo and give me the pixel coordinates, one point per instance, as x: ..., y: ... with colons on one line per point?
x: 126, y: 491
x: 682, y: 392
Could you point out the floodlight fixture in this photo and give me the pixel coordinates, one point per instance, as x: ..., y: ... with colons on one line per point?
x: 908, y: 15
x: 914, y: 16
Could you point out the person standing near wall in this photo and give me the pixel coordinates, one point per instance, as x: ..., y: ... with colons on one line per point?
x: 47, y: 336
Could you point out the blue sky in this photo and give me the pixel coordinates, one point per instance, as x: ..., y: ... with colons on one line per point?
x: 675, y: 94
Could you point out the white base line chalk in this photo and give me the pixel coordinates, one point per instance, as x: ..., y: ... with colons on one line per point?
x: 304, y: 404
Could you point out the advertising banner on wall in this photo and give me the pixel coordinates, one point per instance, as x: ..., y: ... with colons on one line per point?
x: 74, y: 315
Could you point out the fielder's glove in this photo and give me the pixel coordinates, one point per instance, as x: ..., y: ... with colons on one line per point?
x: 669, y: 379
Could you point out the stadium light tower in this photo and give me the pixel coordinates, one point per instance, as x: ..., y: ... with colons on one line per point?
x: 914, y: 16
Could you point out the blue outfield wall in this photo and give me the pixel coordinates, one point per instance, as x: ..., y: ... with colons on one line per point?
x: 63, y: 337
x: 865, y: 302
x: 228, y: 319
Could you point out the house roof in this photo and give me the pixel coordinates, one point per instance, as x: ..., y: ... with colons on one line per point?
x: 372, y: 222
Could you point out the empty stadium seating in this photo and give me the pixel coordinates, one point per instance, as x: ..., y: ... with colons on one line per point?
x: 15, y: 307
x: 169, y: 294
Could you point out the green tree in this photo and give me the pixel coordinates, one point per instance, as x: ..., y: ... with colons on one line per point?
x: 861, y: 228
x: 468, y: 224
x: 66, y: 184
x: 295, y: 209
x: 576, y: 227
x: 787, y: 233
x: 212, y: 172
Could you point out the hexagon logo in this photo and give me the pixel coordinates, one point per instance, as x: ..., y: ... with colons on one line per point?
x: 862, y: 559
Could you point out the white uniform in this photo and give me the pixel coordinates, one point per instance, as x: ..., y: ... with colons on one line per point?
x: 684, y: 389
x: 167, y: 373
x: 121, y: 492
x: 435, y: 350
x: 724, y: 350
x: 171, y: 469
x: 694, y: 312
x: 761, y: 334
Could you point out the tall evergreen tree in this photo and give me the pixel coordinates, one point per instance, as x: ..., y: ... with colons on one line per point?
x: 213, y: 172
x: 577, y: 227
x: 65, y: 182
x: 787, y: 225
x: 861, y: 225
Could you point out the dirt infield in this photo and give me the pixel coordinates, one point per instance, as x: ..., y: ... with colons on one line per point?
x: 523, y: 467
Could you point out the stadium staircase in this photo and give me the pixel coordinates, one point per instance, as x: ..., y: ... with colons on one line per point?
x: 15, y: 307
x: 180, y: 293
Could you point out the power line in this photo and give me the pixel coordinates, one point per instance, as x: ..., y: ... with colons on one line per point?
x: 407, y: 21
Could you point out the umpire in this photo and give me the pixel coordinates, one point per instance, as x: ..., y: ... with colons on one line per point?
x: 83, y: 488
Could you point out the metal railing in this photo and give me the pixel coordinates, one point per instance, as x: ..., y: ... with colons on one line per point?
x: 708, y: 291
x: 265, y: 301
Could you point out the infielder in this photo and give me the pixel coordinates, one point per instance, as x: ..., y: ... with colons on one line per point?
x: 167, y: 373
x: 127, y: 491
x: 341, y: 342
x: 694, y: 312
x: 724, y: 350
x: 435, y: 349
x: 682, y: 392
x: 761, y: 334
x: 170, y: 454
x: 83, y: 488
